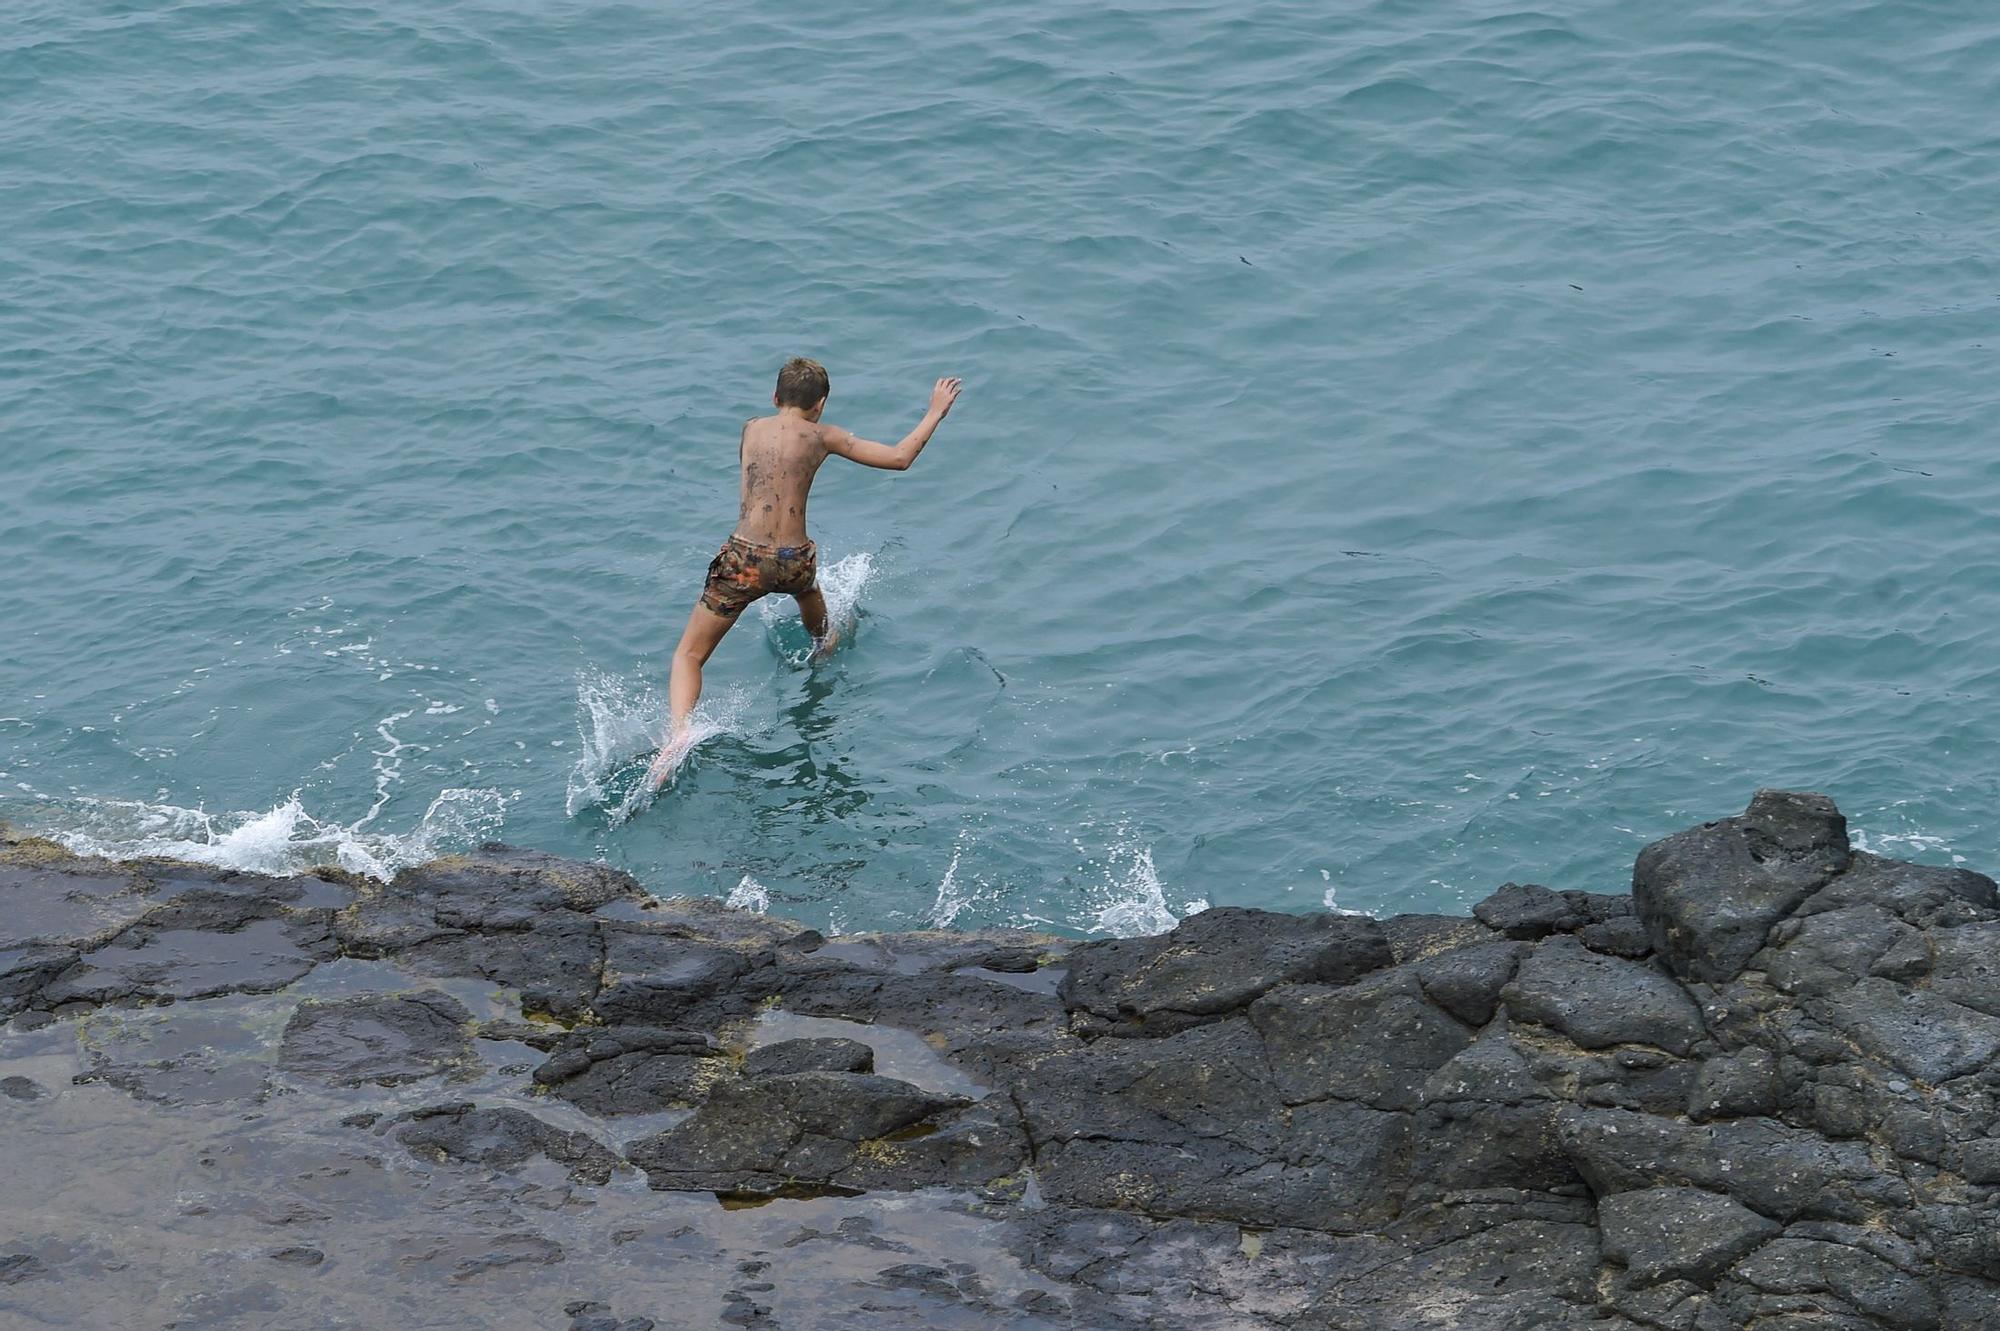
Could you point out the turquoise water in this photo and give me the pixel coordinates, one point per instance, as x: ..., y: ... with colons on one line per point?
x: 1405, y: 447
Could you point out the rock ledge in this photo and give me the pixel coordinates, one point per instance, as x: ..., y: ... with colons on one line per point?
x: 1760, y: 1093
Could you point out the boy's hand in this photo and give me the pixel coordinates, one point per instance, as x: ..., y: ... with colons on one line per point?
x: 943, y: 395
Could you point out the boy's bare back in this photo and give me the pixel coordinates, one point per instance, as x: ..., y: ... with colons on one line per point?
x: 781, y: 455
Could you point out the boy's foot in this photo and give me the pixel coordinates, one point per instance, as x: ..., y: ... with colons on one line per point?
x: 823, y: 647
x: 666, y: 760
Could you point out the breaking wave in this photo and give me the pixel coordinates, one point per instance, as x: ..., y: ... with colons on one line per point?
x: 283, y: 840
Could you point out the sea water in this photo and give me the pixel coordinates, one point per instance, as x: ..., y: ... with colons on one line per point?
x: 1404, y: 447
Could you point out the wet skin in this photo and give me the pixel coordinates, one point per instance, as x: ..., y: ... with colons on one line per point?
x: 781, y: 455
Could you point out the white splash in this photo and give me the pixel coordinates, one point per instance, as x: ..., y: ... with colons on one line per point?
x: 616, y: 722
x: 1330, y: 900
x: 388, y: 764
x: 842, y: 583
x: 1892, y: 845
x: 951, y: 898
x: 1133, y: 900
x: 619, y: 723
x: 282, y: 840
x: 750, y: 895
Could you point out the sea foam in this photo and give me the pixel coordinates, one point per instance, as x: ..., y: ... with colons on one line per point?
x: 285, y: 839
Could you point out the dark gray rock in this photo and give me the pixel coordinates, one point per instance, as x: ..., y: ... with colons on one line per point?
x: 1873, y: 1292
x: 1622, y: 937
x: 1182, y: 1126
x: 151, y: 964
x: 18, y: 1266
x: 1528, y: 911
x: 26, y: 971
x: 502, y: 887
x: 830, y: 1132
x: 711, y: 920
x: 1740, y: 1085
x: 1963, y: 965
x: 380, y: 1038
x: 518, y: 918
x: 556, y: 966
x: 298, y: 1256
x: 20, y: 1088
x: 1776, y: 1170
x: 503, y: 1138
x: 992, y: 1029
x: 1472, y: 1282
x: 1599, y: 1001
x: 1624, y: 1077
x: 789, y: 1056
x: 632, y: 1069
x: 1210, y: 965
x: 1924, y: 896
x: 55, y: 899
x: 852, y: 1107
x: 1918, y: 1032
x: 1466, y: 981
x: 1819, y: 954
x: 1375, y: 1042
x: 1007, y: 960
x: 665, y: 981
x: 1487, y: 1121
x: 1679, y: 1233
x: 1709, y: 896
x: 1415, y: 937
x: 534, y: 1035
x: 467, y: 1255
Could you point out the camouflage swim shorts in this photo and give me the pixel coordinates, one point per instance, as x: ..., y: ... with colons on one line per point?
x: 744, y: 572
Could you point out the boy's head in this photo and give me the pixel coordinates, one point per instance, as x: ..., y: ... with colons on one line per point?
x: 801, y: 384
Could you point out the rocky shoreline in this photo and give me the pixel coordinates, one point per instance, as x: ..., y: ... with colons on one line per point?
x: 507, y: 1090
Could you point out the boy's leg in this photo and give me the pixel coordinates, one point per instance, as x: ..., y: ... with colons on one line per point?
x: 812, y: 609
x: 705, y: 629
x: 698, y: 640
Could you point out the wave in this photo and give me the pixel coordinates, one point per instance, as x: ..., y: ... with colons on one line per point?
x: 283, y: 840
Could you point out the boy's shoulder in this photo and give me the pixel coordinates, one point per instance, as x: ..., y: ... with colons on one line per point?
x: 785, y: 434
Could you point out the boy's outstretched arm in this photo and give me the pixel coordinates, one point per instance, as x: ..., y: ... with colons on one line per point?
x: 871, y: 454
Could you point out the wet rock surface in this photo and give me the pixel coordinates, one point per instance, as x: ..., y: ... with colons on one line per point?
x: 386, y: 1039
x: 507, y: 1090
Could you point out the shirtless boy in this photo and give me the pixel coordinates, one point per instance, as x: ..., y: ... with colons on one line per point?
x: 769, y: 551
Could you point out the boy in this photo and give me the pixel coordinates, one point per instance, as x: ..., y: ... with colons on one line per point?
x: 769, y: 551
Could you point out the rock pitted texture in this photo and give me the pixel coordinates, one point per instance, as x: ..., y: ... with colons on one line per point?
x: 1758, y: 1094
